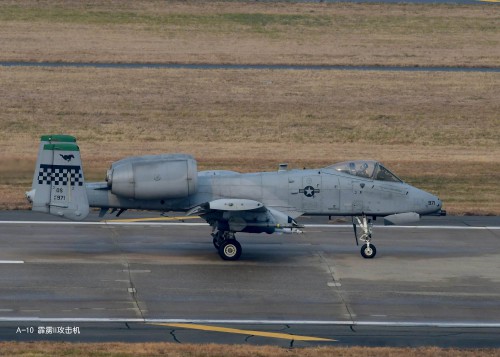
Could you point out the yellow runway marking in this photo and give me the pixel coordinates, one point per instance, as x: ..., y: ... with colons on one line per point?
x: 284, y: 336
x: 489, y: 1
x: 153, y: 219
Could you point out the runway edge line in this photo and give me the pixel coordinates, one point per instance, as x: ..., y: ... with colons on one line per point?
x: 444, y: 324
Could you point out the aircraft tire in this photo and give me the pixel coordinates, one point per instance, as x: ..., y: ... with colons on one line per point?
x: 230, y: 250
x: 368, y: 252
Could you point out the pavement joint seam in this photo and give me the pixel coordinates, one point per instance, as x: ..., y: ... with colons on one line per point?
x: 131, y: 289
x: 337, y: 285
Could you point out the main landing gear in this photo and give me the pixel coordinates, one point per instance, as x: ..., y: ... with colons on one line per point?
x: 368, y: 250
x: 227, y: 245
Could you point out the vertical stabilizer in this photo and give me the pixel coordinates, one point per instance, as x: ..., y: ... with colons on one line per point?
x: 58, y: 185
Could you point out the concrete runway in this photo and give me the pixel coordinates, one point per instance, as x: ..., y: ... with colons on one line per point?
x: 432, y: 284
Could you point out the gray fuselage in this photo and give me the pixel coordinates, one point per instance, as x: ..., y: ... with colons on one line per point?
x: 312, y: 192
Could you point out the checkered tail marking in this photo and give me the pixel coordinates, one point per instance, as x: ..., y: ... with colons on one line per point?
x: 58, y: 175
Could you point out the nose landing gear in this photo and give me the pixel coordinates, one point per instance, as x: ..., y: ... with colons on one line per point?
x: 368, y: 250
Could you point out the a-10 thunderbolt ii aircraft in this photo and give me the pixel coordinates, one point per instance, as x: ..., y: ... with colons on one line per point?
x: 231, y: 202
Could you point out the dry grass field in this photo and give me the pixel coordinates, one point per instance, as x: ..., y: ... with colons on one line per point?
x: 438, y: 130
x: 250, y: 32
x: 43, y: 349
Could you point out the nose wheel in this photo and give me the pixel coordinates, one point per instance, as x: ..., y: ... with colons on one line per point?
x: 368, y: 250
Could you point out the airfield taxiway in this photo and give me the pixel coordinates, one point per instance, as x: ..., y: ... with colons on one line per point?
x: 437, y: 283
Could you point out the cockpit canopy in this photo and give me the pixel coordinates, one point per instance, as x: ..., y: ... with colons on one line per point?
x: 366, y: 169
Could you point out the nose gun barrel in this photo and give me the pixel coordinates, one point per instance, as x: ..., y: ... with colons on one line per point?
x: 439, y: 213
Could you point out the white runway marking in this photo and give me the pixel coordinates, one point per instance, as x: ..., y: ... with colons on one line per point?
x: 444, y: 324
x: 11, y: 262
x: 158, y: 224
x: 402, y: 227
x: 104, y: 223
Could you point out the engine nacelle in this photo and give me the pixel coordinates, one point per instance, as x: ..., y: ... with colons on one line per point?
x: 154, y: 176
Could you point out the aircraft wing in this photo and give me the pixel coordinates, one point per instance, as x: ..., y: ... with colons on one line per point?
x: 242, y: 215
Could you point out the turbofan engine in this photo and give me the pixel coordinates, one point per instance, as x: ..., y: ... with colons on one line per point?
x: 154, y: 176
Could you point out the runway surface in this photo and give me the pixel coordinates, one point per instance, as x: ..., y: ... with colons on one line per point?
x: 436, y: 283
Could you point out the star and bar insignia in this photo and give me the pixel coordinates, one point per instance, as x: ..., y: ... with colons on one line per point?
x: 309, y: 191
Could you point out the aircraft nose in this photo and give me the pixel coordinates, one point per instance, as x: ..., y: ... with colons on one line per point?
x: 426, y: 203
x: 433, y: 203
x: 439, y: 204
